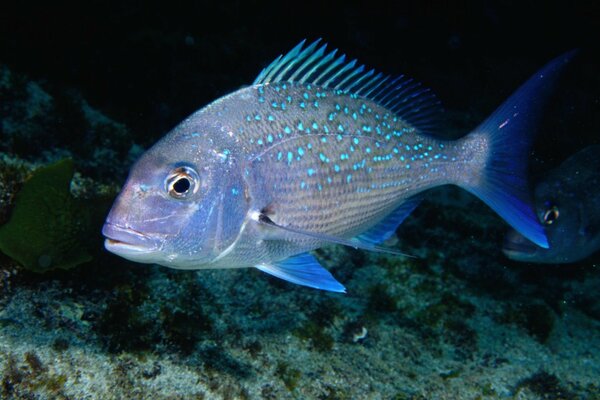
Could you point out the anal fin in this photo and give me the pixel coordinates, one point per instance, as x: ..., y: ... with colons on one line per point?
x: 387, y: 227
x: 304, y: 270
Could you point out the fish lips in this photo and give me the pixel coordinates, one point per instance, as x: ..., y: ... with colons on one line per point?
x: 129, y: 243
x: 517, y: 247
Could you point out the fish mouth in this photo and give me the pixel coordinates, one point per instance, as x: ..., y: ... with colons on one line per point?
x: 517, y: 246
x: 126, y: 241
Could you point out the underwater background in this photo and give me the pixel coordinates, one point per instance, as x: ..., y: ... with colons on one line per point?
x: 84, y: 90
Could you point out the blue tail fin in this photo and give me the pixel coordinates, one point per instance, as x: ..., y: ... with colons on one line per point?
x: 510, y: 133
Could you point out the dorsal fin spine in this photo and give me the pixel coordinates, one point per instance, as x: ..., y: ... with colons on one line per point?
x: 380, y: 77
x: 350, y: 76
x: 359, y: 80
x: 345, y: 68
x: 317, y: 66
x: 291, y: 61
x: 306, y: 64
x: 333, y: 65
x: 267, y: 73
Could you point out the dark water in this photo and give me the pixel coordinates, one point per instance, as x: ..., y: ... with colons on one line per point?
x: 100, y: 82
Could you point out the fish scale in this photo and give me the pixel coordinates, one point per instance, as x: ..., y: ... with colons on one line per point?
x: 346, y: 167
x: 317, y: 150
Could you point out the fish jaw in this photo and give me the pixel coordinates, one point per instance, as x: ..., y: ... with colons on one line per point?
x: 130, y: 244
x: 517, y: 247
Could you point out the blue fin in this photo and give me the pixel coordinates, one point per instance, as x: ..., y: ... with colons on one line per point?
x: 313, y: 65
x: 387, y: 227
x: 304, y: 270
x: 510, y: 129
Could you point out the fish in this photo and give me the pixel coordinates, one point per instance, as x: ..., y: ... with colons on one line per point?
x: 317, y: 150
x: 567, y: 202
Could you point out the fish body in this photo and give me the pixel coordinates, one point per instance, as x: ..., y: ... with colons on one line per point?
x: 568, y: 204
x: 316, y: 151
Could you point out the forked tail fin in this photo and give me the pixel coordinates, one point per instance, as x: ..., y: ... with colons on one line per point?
x: 509, y: 134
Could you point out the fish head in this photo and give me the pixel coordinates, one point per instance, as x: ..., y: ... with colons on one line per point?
x: 565, y: 224
x: 181, y: 206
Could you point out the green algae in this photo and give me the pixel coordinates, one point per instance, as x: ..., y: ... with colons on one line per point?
x: 48, y: 227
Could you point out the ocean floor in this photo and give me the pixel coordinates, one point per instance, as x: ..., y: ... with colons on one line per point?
x: 460, y: 321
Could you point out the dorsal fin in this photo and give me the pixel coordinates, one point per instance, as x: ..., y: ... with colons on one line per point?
x: 313, y: 65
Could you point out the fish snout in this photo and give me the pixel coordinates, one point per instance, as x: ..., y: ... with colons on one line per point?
x: 126, y: 241
x: 517, y: 247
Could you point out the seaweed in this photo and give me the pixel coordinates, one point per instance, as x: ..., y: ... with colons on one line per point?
x: 48, y: 227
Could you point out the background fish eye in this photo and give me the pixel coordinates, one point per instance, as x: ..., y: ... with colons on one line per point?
x: 551, y: 215
x: 182, y: 182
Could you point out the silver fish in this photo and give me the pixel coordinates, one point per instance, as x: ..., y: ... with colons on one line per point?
x: 568, y: 204
x: 317, y: 150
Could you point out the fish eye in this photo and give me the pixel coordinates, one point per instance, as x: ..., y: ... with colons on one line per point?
x: 551, y: 215
x: 182, y: 182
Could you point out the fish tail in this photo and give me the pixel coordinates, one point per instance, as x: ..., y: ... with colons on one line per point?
x: 507, y: 136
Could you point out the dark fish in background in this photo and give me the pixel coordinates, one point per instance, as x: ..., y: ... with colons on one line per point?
x: 568, y: 204
x: 318, y: 150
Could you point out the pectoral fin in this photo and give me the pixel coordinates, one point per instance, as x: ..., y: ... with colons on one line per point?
x: 356, y: 242
x: 304, y: 270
